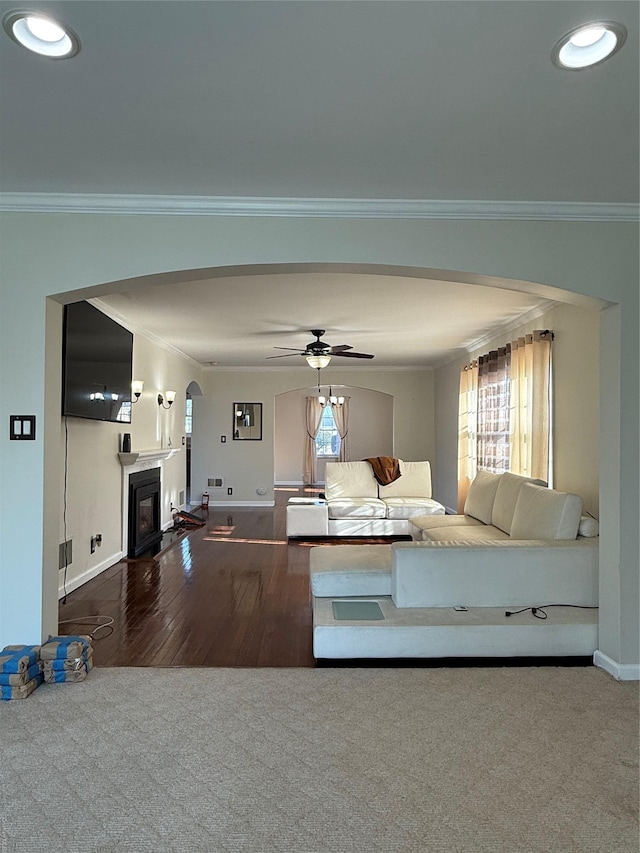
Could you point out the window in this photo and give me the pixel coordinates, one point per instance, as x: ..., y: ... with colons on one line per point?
x: 188, y: 416
x: 328, y: 438
x: 493, y: 412
x: 504, y: 415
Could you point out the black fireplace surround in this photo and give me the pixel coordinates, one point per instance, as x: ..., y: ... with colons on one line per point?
x: 145, y: 532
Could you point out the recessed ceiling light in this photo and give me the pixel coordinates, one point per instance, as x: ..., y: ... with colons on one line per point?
x: 41, y: 34
x: 588, y: 44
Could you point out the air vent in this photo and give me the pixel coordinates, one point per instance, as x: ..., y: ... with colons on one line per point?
x: 181, y: 497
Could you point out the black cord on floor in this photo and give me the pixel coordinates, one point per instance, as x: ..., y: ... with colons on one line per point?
x: 539, y: 612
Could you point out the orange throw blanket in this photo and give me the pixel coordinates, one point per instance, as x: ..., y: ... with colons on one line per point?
x: 386, y: 469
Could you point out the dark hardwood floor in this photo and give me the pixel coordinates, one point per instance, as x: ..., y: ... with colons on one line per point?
x: 233, y: 593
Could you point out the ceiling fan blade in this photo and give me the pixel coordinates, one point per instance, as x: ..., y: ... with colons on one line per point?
x: 287, y: 355
x: 339, y: 348
x: 293, y: 349
x: 353, y: 354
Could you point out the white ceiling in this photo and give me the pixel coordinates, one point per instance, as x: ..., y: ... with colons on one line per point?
x: 403, y: 322
x: 322, y: 100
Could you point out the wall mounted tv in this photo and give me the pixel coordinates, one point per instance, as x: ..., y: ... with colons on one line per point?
x: 97, y: 355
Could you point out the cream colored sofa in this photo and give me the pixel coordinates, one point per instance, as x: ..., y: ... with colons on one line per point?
x: 517, y: 545
x: 356, y: 505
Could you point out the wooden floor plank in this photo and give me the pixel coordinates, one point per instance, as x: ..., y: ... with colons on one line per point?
x: 232, y: 593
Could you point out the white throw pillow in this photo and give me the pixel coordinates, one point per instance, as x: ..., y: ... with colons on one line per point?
x: 542, y: 513
x: 482, y: 493
x: 589, y: 527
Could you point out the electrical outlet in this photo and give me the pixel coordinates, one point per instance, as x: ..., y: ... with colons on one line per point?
x: 98, y: 539
x: 229, y: 491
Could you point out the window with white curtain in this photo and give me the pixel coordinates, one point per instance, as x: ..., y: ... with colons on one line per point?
x: 504, y: 414
x: 328, y: 437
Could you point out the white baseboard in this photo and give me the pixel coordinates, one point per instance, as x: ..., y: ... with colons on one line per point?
x: 620, y: 671
x: 223, y: 504
x: 87, y: 575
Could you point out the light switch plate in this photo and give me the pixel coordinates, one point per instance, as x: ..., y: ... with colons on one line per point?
x: 22, y: 427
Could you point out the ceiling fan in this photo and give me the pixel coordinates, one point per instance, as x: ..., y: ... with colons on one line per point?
x: 318, y: 353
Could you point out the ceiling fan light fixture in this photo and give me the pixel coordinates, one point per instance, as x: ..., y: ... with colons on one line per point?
x: 588, y: 45
x: 318, y: 361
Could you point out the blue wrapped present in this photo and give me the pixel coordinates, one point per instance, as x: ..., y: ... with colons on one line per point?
x: 71, y: 646
x: 17, y: 678
x: 20, y: 691
x: 18, y: 659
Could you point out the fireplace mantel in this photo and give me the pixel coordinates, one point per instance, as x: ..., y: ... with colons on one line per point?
x: 127, y: 459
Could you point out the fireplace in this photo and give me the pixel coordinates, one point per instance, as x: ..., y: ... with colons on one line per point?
x: 145, y: 532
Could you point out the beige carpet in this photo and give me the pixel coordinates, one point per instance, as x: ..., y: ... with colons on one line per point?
x: 307, y: 761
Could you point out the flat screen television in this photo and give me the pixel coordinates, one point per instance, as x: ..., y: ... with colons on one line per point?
x: 97, y: 356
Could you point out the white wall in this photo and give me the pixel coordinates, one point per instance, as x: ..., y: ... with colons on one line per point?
x: 370, y: 428
x: 249, y: 465
x: 47, y: 254
x: 89, y: 451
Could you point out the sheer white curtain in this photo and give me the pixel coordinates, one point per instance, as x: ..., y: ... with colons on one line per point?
x: 530, y: 405
x: 467, y: 431
x: 341, y: 419
x: 313, y: 416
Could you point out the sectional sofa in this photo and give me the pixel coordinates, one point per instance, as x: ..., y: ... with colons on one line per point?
x: 447, y: 593
x: 356, y: 505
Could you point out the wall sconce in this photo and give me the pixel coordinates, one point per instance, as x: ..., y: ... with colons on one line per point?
x: 170, y: 397
x: 318, y: 361
x: 136, y: 389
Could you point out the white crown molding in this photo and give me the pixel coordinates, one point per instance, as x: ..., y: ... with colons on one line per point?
x: 340, y: 208
x: 542, y: 308
x: 138, y: 330
x: 230, y: 368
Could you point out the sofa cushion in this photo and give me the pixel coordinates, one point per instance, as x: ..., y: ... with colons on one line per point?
x: 542, y: 513
x: 410, y: 507
x: 464, y: 533
x: 357, y: 508
x: 420, y: 525
x: 507, y: 494
x: 414, y: 482
x: 339, y: 570
x: 481, y: 495
x: 428, y: 522
x: 349, y: 480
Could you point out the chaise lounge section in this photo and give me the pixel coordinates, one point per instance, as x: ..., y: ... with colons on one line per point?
x: 525, y: 550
